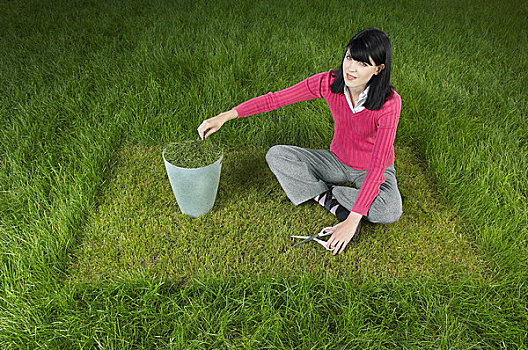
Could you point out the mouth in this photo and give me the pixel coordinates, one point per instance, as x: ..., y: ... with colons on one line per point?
x: 351, y: 77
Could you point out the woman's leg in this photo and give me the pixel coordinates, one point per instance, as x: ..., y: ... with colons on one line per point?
x: 386, y: 207
x: 302, y: 172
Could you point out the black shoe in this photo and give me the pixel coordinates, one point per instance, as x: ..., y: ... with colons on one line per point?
x: 342, y: 213
x: 330, y: 202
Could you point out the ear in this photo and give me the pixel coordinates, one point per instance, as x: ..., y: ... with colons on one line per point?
x: 380, y: 68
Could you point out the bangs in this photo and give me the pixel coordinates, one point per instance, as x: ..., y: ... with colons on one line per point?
x: 359, y: 52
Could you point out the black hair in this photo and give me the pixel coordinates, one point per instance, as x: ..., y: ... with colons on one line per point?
x: 370, y: 42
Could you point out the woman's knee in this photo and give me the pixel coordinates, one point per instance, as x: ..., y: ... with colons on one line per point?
x: 394, y: 216
x: 275, y: 152
x: 387, y: 216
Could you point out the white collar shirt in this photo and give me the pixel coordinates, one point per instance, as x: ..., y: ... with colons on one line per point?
x: 362, y: 98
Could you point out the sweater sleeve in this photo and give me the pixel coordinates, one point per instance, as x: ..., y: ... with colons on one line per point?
x: 385, y: 136
x: 308, y: 89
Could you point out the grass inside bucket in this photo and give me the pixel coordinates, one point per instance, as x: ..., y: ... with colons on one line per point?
x: 192, y: 153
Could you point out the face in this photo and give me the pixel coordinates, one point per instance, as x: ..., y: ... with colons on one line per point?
x: 358, y: 74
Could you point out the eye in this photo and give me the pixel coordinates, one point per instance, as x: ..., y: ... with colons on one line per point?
x: 348, y: 57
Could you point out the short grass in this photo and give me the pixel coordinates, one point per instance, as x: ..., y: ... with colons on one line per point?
x: 139, y: 231
x: 87, y: 82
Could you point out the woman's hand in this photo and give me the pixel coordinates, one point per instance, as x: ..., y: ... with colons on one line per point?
x: 215, y: 123
x: 343, y: 232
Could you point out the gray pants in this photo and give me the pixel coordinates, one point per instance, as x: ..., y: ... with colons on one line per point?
x: 303, y: 174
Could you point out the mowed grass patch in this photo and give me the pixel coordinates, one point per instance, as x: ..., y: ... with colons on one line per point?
x: 138, y: 230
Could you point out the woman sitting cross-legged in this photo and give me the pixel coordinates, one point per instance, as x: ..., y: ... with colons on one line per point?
x: 366, y: 110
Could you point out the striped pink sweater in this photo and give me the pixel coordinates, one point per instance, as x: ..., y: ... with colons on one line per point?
x: 363, y: 140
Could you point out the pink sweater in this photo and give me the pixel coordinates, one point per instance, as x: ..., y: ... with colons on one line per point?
x: 362, y: 140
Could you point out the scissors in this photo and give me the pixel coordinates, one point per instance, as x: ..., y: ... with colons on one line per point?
x: 315, y: 238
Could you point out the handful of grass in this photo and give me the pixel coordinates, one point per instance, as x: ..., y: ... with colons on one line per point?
x: 192, y: 153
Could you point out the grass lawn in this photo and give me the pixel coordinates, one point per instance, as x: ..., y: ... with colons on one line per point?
x: 94, y: 252
x: 139, y: 231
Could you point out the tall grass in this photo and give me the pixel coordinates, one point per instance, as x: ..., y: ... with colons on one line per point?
x: 284, y: 313
x: 79, y: 79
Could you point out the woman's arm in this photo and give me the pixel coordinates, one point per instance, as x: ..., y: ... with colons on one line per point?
x: 345, y: 231
x: 308, y: 89
x: 386, y: 134
x: 215, y: 123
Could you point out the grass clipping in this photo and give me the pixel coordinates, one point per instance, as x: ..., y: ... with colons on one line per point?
x: 192, y: 153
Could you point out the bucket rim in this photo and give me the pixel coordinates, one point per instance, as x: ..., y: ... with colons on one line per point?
x: 205, y: 166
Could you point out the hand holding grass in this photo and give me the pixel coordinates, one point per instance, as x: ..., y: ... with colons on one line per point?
x: 215, y: 123
x: 344, y: 232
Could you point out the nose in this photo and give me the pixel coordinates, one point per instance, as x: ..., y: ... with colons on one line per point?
x: 351, y: 66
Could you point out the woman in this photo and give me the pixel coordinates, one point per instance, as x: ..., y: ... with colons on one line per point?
x: 366, y: 110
